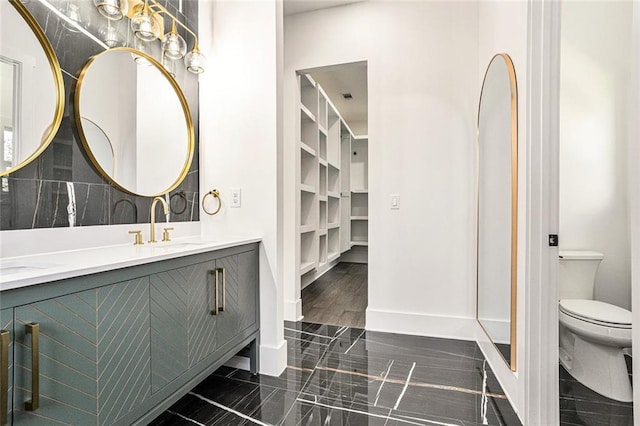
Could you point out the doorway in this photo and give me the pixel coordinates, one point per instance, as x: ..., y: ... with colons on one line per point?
x: 334, y: 212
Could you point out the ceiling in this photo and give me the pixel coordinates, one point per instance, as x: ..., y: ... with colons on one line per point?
x: 291, y: 7
x: 339, y: 79
x: 346, y: 78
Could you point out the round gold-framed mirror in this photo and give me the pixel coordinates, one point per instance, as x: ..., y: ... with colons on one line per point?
x: 31, y: 88
x: 498, y: 206
x: 138, y: 108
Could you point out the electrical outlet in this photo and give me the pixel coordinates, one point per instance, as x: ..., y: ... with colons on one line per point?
x: 236, y: 197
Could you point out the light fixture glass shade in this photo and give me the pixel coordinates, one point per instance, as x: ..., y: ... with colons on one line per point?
x: 195, y: 61
x: 110, y: 35
x: 144, y: 24
x: 112, y: 9
x: 140, y: 60
x: 74, y: 13
x: 174, y: 46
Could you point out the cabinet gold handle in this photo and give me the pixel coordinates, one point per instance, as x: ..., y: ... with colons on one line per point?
x: 214, y: 311
x: 4, y: 391
x: 33, y: 329
x: 224, y: 289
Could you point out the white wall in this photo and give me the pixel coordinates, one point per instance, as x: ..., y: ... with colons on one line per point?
x: 502, y: 29
x: 239, y: 142
x: 594, y: 111
x: 423, y: 93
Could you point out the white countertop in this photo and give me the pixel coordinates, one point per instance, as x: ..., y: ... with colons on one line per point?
x: 23, y: 271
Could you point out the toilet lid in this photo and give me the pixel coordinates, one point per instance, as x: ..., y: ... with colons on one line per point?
x: 597, y: 312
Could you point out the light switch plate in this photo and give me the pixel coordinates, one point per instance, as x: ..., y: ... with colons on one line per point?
x: 236, y: 197
x: 395, y: 202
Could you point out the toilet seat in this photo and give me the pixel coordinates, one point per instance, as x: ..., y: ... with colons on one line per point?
x: 596, y: 312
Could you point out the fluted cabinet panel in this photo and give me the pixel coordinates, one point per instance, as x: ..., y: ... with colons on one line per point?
x: 94, y: 355
x: 6, y: 323
x: 202, y: 324
x: 169, y: 324
x: 124, y: 371
x: 240, y: 295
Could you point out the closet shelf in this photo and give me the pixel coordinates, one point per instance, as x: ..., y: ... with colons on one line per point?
x: 334, y: 194
x: 307, y: 267
x: 322, y: 162
x: 307, y: 228
x: 359, y: 243
x: 359, y: 217
x: 306, y: 148
x: 307, y: 188
x: 306, y: 114
x: 359, y: 191
x: 334, y: 225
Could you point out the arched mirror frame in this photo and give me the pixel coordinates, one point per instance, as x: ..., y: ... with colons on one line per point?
x: 56, y: 71
x: 514, y: 205
x: 183, y: 102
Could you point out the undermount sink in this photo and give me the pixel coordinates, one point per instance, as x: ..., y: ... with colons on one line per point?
x: 14, y: 267
x: 177, y: 246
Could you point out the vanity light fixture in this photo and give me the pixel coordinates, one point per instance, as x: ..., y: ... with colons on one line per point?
x: 174, y: 46
x: 113, y: 10
x: 147, y: 23
x: 144, y: 23
x: 75, y: 20
x: 110, y: 35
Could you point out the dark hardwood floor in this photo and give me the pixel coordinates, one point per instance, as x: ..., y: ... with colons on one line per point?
x: 339, y: 297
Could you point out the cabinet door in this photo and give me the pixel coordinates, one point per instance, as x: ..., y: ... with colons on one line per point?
x: 169, y: 306
x: 239, y: 293
x: 6, y: 325
x: 93, y: 356
x: 201, y: 304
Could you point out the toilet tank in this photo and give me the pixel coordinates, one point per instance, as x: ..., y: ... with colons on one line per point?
x: 577, y: 275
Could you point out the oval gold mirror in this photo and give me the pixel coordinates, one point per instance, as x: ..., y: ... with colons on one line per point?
x: 31, y: 88
x: 134, y: 122
x: 498, y: 206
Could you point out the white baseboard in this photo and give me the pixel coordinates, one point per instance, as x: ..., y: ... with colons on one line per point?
x: 273, y: 359
x: 293, y: 310
x: 421, y: 324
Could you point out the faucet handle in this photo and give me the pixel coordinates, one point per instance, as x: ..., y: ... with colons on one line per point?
x: 165, y: 234
x: 138, y: 237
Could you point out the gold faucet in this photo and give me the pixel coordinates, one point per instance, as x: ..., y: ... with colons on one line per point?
x: 152, y: 238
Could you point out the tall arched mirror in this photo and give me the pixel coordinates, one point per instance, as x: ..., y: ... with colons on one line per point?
x: 498, y: 206
x: 134, y: 122
x: 31, y: 88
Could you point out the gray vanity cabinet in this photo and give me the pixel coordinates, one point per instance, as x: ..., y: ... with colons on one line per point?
x: 186, y: 328
x: 93, y: 358
x: 6, y: 325
x: 119, y: 347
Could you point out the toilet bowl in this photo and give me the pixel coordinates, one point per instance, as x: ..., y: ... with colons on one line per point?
x: 593, y: 335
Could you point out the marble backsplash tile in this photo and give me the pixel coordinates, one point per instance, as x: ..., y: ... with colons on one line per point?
x: 37, y: 196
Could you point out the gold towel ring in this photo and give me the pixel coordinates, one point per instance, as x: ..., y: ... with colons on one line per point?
x: 215, y: 194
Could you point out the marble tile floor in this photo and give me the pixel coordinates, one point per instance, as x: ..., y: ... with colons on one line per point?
x: 349, y: 376
x: 580, y: 405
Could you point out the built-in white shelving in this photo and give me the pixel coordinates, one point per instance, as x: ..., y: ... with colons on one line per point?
x: 329, y: 180
x: 359, y: 178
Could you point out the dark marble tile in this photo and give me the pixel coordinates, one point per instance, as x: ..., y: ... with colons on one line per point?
x: 580, y: 405
x: 345, y: 376
x: 310, y: 411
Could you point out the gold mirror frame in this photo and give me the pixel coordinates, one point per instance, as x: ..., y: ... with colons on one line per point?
x: 56, y: 71
x: 514, y: 206
x: 183, y: 102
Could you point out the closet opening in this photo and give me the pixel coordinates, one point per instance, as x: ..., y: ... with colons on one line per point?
x: 333, y: 193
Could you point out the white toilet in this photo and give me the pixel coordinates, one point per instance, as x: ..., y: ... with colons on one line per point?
x: 593, y: 334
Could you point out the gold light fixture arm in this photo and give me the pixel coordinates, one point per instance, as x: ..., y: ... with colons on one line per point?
x: 158, y: 8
